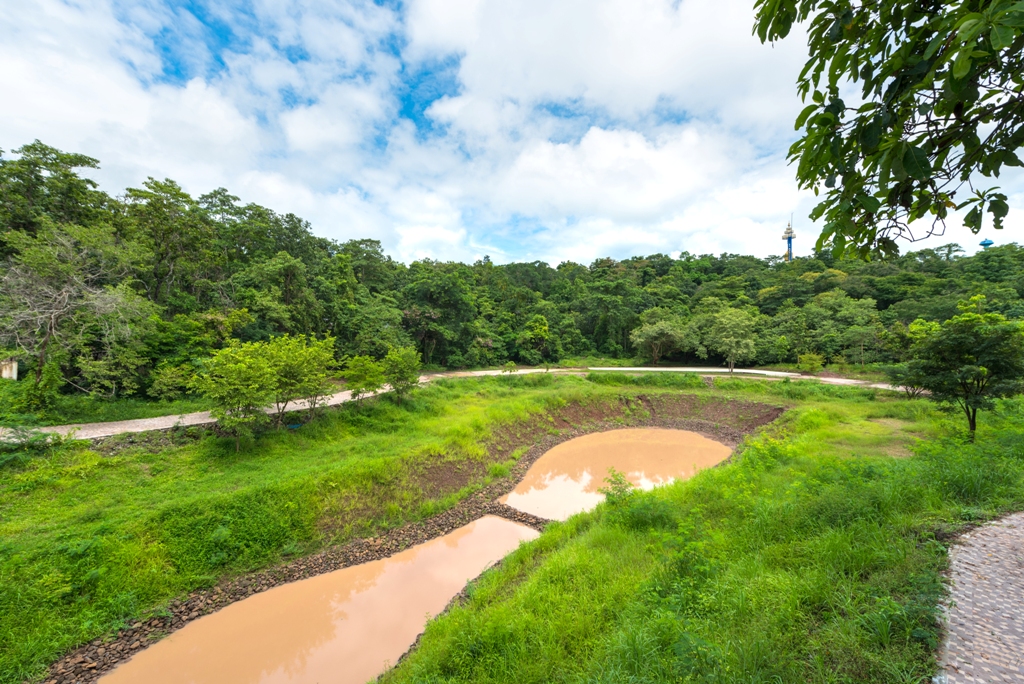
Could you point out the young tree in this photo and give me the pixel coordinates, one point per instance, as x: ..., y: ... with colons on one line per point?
x: 363, y: 375
x: 973, y: 359
x: 661, y: 333
x: 732, y: 335
x: 402, y: 370
x: 240, y: 381
x: 940, y: 84
x: 302, y: 368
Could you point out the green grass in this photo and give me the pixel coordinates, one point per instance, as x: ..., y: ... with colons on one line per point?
x: 88, y: 541
x: 814, y: 557
x: 815, y: 537
x: 82, y: 408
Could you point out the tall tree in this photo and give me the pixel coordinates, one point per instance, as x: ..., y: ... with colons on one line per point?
x: 972, y: 359
x: 59, y: 279
x: 43, y: 184
x: 939, y: 106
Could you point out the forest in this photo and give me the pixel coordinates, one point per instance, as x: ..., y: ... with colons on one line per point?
x: 125, y: 296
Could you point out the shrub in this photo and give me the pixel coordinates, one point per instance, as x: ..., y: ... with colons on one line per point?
x: 240, y: 381
x: 810, y: 363
x: 402, y: 370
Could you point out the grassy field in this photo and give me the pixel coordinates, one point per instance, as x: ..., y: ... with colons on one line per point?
x: 814, y: 557
x: 89, y: 541
x: 816, y: 554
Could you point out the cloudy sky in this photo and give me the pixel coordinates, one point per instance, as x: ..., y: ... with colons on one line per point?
x: 449, y: 129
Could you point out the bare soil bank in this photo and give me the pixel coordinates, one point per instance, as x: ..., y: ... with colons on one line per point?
x: 723, y: 420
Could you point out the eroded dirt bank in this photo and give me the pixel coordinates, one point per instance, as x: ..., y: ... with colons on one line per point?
x: 726, y: 421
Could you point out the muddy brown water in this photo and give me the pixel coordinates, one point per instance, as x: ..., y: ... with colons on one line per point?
x: 566, y: 479
x: 343, y: 627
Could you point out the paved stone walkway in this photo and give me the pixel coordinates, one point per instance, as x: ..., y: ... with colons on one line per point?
x: 985, y: 641
x: 108, y: 429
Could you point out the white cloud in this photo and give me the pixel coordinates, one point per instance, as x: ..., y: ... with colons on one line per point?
x: 579, y: 129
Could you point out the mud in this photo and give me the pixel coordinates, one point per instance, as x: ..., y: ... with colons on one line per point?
x: 722, y: 420
x: 344, y: 627
x: 567, y: 478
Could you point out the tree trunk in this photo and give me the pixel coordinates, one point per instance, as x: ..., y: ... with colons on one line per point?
x: 41, y: 358
x: 732, y: 365
x: 972, y: 421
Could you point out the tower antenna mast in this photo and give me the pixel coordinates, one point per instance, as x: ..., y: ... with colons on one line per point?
x: 788, y: 237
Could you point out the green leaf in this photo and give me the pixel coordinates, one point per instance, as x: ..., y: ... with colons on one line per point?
x: 1002, y: 37
x: 962, y: 64
x: 999, y: 209
x: 884, y: 169
x: 869, y: 136
x: 916, y: 164
x: 870, y: 204
x: 973, y: 219
x: 897, y: 168
x: 802, y: 119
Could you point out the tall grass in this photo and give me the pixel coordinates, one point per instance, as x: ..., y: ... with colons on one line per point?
x: 89, y: 541
x: 810, y: 558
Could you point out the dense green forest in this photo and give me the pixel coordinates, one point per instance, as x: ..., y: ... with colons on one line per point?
x: 122, y: 296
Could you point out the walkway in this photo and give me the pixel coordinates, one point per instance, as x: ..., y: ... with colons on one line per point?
x: 97, y: 430
x: 985, y: 618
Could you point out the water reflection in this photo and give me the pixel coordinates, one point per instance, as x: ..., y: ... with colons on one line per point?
x: 341, y: 627
x: 566, y: 479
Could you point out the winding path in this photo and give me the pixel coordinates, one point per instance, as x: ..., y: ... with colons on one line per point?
x: 109, y: 429
x: 985, y: 609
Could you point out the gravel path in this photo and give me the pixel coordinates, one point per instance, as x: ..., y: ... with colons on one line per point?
x: 109, y: 429
x: 985, y: 613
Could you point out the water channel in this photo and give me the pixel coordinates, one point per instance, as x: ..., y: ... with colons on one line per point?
x: 348, y: 626
x: 342, y: 627
x: 566, y: 479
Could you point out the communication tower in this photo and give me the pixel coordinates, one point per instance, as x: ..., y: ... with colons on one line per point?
x: 788, y: 237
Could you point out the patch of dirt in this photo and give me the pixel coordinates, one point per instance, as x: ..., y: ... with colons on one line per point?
x: 437, y: 478
x: 151, y: 440
x: 724, y: 420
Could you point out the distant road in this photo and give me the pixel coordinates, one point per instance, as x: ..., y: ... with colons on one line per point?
x: 109, y: 429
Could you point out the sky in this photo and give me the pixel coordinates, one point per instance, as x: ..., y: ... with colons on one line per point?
x: 447, y: 129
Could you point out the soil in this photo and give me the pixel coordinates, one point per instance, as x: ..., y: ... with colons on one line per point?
x: 723, y: 420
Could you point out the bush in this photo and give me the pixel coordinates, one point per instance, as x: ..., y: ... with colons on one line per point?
x: 240, y: 382
x: 810, y: 363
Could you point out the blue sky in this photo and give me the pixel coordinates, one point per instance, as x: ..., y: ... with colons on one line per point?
x: 449, y: 129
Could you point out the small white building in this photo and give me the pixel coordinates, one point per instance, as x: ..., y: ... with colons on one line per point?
x: 9, y: 369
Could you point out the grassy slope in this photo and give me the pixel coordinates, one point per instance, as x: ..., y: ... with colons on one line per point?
x: 814, y: 557
x: 88, y: 541
x: 81, y: 408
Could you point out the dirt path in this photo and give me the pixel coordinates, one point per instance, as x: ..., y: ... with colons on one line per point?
x: 109, y: 429
x: 985, y: 614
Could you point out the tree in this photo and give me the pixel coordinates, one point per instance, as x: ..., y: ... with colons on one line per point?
x: 363, y: 375
x: 732, y: 335
x: 659, y: 334
x: 240, y: 382
x: 940, y: 83
x: 57, y: 280
x: 972, y: 359
x: 402, y: 370
x: 301, y: 367
x: 535, y: 341
x: 43, y: 184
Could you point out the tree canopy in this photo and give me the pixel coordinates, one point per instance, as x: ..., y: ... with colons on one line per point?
x: 104, y: 294
x: 915, y: 108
